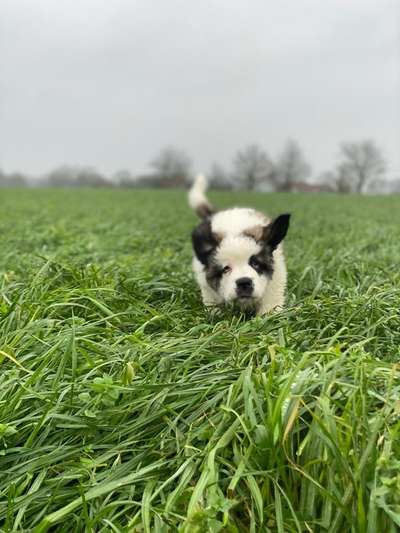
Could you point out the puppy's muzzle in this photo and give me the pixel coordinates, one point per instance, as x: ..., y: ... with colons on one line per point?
x: 244, y: 287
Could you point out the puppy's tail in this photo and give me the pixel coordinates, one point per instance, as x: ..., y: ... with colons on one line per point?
x: 197, y: 197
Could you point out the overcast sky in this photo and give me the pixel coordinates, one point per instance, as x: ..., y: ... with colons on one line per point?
x: 109, y: 83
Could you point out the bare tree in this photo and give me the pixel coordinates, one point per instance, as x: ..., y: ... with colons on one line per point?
x: 252, y: 167
x: 75, y: 176
x: 334, y: 181
x: 328, y: 177
x: 291, y: 167
x: 123, y: 178
x: 15, y: 179
x: 63, y: 176
x: 172, y: 164
x: 343, y: 181
x: 361, y: 163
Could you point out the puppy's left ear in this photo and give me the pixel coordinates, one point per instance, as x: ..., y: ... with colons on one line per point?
x: 276, y: 231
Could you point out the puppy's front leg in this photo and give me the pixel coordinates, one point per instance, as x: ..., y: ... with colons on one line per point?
x: 209, y: 298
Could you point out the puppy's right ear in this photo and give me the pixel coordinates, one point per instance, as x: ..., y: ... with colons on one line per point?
x: 204, y: 241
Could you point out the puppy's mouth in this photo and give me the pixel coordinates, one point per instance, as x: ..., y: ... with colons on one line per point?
x: 246, y: 300
x: 245, y: 295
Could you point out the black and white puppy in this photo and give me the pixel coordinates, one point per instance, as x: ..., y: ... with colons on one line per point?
x: 238, y: 256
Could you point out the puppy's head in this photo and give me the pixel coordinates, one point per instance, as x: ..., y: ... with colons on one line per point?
x: 239, y: 268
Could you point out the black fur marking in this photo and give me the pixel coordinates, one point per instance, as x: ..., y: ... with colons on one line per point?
x: 263, y: 262
x: 214, y: 275
x: 204, y: 210
x: 274, y: 233
x: 204, y: 242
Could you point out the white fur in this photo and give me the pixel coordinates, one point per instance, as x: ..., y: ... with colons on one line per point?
x: 237, y: 220
x: 197, y: 196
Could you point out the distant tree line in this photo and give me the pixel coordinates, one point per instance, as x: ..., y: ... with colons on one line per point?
x: 360, y: 168
x: 14, y: 179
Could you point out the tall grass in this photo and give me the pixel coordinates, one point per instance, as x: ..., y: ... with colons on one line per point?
x: 125, y: 406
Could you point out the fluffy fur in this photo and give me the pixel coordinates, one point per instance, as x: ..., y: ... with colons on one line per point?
x: 238, y: 256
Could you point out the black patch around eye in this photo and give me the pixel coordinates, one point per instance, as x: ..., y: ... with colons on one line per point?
x: 262, y: 263
x: 214, y: 274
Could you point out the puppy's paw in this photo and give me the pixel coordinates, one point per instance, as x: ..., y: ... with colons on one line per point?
x: 214, y: 311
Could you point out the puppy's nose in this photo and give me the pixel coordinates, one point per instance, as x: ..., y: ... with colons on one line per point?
x: 244, y: 286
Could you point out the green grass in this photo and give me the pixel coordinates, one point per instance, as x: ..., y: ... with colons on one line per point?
x: 125, y: 407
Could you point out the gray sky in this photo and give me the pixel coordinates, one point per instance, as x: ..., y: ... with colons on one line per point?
x: 110, y: 82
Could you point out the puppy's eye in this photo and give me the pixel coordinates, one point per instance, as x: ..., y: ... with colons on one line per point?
x: 255, y: 263
x: 226, y: 269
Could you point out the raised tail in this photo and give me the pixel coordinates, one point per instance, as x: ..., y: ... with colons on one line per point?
x: 197, y: 197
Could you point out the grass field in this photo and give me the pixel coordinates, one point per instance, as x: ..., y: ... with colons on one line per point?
x: 125, y: 407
